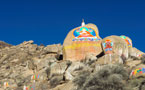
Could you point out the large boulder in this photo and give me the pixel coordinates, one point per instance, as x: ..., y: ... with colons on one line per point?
x: 82, y: 41
x: 115, y: 44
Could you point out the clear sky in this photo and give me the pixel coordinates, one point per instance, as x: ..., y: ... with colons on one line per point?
x: 49, y: 21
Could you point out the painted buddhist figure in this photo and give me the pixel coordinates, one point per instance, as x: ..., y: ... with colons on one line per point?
x: 85, y: 34
x: 82, y: 41
x: 108, y: 46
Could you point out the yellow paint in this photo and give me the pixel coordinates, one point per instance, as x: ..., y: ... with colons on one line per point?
x: 73, y: 46
x: 6, y: 84
x: 136, y: 71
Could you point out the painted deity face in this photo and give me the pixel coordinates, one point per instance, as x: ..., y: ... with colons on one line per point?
x: 128, y: 41
x: 108, y: 46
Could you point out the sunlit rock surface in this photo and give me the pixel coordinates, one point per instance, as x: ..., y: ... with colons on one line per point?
x: 81, y: 41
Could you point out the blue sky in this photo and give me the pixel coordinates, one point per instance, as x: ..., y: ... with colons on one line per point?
x: 49, y: 21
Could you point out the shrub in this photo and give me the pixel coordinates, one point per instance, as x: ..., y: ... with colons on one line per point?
x: 137, y: 83
x: 55, y: 80
x: 80, y: 80
x: 142, y: 85
x: 108, y: 78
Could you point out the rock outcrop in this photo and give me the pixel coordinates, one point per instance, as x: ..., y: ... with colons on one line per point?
x: 3, y: 44
x: 84, y: 62
x: 115, y: 44
x: 19, y: 63
x: 82, y: 41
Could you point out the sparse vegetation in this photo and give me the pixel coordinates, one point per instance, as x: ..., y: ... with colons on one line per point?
x: 137, y: 83
x: 108, y: 78
x: 142, y: 85
x: 55, y: 80
x: 80, y: 80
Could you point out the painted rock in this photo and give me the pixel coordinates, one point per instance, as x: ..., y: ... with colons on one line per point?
x: 133, y: 52
x: 138, y: 71
x: 127, y: 40
x: 115, y: 44
x: 82, y: 41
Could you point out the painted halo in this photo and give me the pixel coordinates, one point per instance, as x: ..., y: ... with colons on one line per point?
x: 128, y: 41
x: 85, y: 34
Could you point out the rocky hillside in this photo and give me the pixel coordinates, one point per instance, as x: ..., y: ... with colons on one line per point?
x: 19, y: 63
x: 31, y: 67
x: 3, y: 44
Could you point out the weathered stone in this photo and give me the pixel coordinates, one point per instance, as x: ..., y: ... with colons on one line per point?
x: 58, y: 68
x: 53, y: 48
x: 65, y: 86
x: 30, y: 65
x: 109, y: 59
x: 74, y: 69
x: 134, y: 52
x: 132, y: 63
x: 3, y: 45
x: 115, y: 44
x: 90, y: 57
x: 81, y: 41
x: 19, y: 63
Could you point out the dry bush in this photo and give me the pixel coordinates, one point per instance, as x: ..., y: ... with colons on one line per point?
x: 108, y: 78
x: 55, y: 80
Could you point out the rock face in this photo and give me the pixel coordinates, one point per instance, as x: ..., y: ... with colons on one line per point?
x: 28, y: 66
x: 115, y: 44
x: 81, y: 41
x: 109, y: 59
x: 19, y: 63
